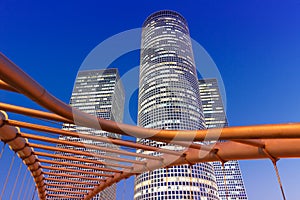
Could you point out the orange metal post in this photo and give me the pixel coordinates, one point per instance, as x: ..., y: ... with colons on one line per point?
x: 66, y: 191
x: 61, y: 169
x: 83, y: 160
x: 33, y: 113
x: 91, y: 154
x: 73, y: 176
x: 79, y: 165
x: 69, y: 186
x: 115, y: 141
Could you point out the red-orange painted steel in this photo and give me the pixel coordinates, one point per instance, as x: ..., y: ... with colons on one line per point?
x: 68, y: 186
x: 60, y: 169
x: 33, y: 113
x: 249, y: 142
x: 10, y: 135
x: 90, y: 154
x: 96, y: 138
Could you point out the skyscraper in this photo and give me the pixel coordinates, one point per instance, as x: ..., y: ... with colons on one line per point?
x: 215, y: 117
x: 169, y: 99
x: 99, y: 93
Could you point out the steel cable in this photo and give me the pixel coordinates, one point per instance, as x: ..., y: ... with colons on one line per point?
x: 22, y: 184
x: 7, y: 176
x: 124, y: 190
x: 33, y: 195
x: 27, y: 187
x: 2, y: 150
x: 16, y: 180
x: 279, y: 179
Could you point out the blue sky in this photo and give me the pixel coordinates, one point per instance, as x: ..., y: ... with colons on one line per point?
x: 255, y: 45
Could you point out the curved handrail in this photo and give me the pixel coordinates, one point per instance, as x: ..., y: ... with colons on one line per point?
x: 12, y: 75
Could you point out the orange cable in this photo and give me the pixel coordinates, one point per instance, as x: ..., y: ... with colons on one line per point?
x: 278, y: 179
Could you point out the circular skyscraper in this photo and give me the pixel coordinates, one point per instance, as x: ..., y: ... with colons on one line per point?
x: 169, y: 98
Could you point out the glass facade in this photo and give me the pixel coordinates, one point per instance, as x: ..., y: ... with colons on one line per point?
x: 99, y: 93
x: 169, y: 99
x: 215, y: 117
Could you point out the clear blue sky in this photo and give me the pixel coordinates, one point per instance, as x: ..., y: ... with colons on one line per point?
x: 255, y: 45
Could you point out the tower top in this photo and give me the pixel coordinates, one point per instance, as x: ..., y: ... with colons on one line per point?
x: 164, y: 13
